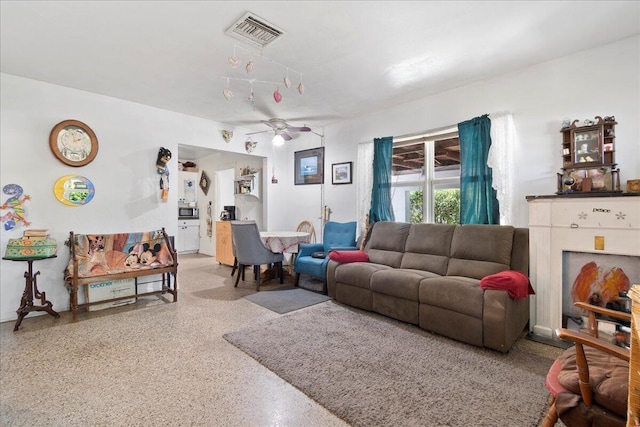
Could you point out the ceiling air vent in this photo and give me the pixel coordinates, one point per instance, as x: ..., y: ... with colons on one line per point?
x: 254, y: 30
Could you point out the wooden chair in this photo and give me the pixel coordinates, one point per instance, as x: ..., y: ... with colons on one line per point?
x: 577, y: 379
x: 306, y: 226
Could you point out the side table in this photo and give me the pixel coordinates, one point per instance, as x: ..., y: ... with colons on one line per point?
x: 31, y: 291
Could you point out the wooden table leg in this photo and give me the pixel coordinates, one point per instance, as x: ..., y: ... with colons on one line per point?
x: 30, y: 292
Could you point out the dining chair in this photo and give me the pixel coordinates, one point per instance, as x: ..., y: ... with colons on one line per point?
x: 251, y: 251
x: 307, y: 227
x: 589, y: 382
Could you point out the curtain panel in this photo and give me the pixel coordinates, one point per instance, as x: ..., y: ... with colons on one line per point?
x: 504, y: 143
x: 478, y: 202
x: 381, y: 208
x: 364, y: 170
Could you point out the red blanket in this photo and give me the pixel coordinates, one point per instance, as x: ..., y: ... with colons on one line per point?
x: 514, y: 282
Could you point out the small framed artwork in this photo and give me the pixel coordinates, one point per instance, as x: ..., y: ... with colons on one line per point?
x: 309, y: 166
x: 341, y: 173
x: 205, y: 183
x: 73, y: 143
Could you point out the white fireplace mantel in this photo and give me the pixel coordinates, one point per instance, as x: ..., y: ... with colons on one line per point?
x: 572, y: 223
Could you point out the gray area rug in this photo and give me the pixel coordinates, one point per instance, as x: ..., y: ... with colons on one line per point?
x: 373, y: 371
x: 287, y: 299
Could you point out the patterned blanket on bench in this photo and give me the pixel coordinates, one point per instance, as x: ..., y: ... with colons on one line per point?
x: 104, y: 254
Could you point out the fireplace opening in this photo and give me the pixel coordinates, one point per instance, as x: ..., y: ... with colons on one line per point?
x: 602, y: 280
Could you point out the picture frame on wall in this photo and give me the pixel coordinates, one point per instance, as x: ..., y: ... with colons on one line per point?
x: 341, y: 173
x: 205, y: 183
x: 309, y: 166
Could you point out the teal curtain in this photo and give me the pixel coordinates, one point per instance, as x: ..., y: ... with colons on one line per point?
x: 478, y: 201
x: 381, y: 209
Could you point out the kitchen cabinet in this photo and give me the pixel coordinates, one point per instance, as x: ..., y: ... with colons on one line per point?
x: 224, y: 244
x: 188, y: 236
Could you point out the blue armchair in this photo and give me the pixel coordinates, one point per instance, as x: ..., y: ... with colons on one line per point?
x: 336, y: 236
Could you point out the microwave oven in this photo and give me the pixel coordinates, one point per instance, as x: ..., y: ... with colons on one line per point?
x: 187, y: 212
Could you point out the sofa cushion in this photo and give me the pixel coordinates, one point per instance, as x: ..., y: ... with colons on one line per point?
x: 387, y: 241
x: 358, y: 274
x: 480, y: 250
x: 514, y: 282
x: 400, y: 283
x: 427, y: 247
x: 461, y: 294
x: 345, y: 257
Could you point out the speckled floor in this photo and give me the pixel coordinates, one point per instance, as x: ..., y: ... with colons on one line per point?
x: 150, y: 364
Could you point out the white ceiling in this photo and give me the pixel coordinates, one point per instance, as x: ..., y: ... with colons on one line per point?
x: 356, y: 57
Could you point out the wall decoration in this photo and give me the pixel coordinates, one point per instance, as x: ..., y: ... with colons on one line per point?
x: 74, y: 190
x: 341, y: 173
x: 164, y: 155
x: 73, y: 143
x: 309, y: 166
x: 250, y: 145
x: 15, y: 204
x: 227, y: 135
x: 205, y: 183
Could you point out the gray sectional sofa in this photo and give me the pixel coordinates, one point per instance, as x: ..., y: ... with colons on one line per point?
x: 429, y: 275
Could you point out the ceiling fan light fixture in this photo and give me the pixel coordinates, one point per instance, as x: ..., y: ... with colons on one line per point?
x: 277, y: 139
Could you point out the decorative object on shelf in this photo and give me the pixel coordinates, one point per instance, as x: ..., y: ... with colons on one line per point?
x: 205, y: 183
x: 633, y: 186
x: 588, y: 157
x: 73, y: 143
x: 309, y: 166
x: 252, y: 67
x: 250, y: 145
x: 227, y: 135
x: 15, y: 204
x: 164, y: 155
x: 74, y: 190
x: 341, y: 173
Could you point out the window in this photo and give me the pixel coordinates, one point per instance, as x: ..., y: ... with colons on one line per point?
x: 426, y: 178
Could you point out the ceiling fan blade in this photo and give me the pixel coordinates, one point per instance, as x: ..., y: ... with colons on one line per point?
x: 253, y: 133
x: 286, y: 136
x: 298, y: 129
x: 268, y: 123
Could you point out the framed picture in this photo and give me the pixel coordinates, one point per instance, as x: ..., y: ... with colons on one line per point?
x: 341, y: 173
x: 73, y: 143
x: 309, y: 166
x: 205, y: 183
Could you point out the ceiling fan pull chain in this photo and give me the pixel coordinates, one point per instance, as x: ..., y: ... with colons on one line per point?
x: 252, y: 99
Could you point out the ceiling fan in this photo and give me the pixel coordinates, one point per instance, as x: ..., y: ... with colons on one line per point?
x: 281, y: 129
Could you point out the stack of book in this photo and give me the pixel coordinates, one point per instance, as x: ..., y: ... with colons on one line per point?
x: 35, y: 234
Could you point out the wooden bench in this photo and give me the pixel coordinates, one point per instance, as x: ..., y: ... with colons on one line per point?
x: 98, y: 258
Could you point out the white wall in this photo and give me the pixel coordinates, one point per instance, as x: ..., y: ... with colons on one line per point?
x: 124, y: 173
x: 601, y: 81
